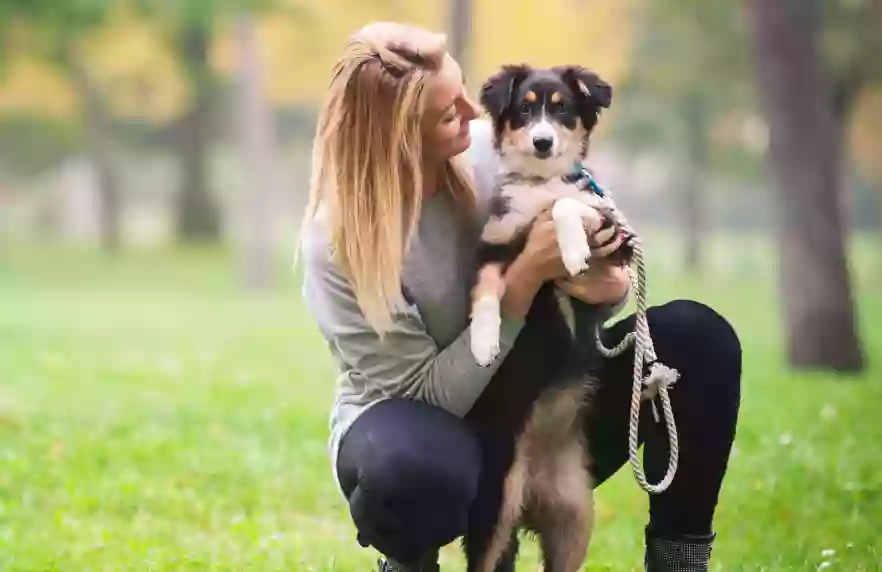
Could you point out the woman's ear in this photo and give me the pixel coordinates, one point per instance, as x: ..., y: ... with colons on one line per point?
x: 497, y: 92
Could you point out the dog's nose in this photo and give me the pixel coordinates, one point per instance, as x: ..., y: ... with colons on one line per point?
x: 543, y: 144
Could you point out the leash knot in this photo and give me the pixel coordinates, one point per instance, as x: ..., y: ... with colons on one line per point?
x: 659, y: 379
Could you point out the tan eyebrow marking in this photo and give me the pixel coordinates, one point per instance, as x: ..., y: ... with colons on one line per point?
x: 556, y: 97
x: 530, y: 96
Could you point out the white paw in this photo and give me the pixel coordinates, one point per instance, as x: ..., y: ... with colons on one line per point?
x: 575, y: 257
x: 571, y: 237
x: 485, y: 327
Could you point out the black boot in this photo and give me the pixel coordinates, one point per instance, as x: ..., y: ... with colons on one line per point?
x: 427, y: 564
x: 687, y: 553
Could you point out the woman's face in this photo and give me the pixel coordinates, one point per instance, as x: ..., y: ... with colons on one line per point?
x: 448, y: 113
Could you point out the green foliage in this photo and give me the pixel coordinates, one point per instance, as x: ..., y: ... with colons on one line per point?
x: 689, y: 73
x: 693, y: 50
x: 151, y: 418
x: 51, y: 25
x: 851, y: 43
x: 72, y: 14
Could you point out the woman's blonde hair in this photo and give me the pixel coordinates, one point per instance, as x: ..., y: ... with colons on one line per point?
x: 367, y: 159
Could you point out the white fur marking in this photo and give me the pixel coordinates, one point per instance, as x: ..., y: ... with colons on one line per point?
x: 574, y: 248
x: 543, y: 129
x: 566, y: 307
x: 502, y: 230
x: 485, y: 328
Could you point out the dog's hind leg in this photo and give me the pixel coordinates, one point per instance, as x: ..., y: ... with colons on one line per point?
x: 507, y: 562
x: 510, y: 557
x: 488, y: 542
x: 565, y: 511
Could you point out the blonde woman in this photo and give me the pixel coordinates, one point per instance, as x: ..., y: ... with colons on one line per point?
x: 399, y: 191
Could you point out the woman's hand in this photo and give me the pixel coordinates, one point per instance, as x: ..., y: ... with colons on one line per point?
x: 607, y: 280
x: 542, y: 252
x: 603, y: 283
x: 538, y: 263
x: 607, y: 240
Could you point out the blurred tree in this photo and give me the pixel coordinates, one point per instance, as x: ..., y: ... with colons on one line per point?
x: 99, y: 143
x: 851, y: 41
x: 852, y: 44
x: 198, y: 215
x: 459, y: 31
x: 190, y: 26
x: 687, y: 76
x: 306, y: 30
x: 260, y: 149
x: 54, y: 31
x: 796, y: 99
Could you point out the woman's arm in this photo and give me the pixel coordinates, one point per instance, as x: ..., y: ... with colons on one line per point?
x: 405, y: 362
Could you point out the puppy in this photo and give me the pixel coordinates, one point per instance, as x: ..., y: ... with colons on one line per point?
x: 530, y: 417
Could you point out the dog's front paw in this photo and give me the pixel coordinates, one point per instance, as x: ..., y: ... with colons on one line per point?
x: 486, y: 322
x: 575, y: 256
x: 568, y: 215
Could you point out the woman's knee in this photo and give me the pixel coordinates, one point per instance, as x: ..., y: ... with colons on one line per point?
x: 409, y: 503
x: 414, y: 488
x: 420, y: 474
x: 696, y: 340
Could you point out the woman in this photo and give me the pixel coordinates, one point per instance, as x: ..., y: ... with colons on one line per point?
x: 388, y: 245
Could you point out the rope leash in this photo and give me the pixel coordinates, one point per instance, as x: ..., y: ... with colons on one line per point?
x: 660, y: 376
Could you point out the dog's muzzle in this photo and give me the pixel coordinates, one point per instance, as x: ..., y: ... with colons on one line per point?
x: 543, y: 146
x: 544, y: 139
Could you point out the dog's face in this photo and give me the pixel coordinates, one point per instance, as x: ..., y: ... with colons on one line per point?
x: 543, y: 117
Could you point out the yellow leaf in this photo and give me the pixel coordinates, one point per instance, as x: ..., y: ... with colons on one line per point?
x: 30, y: 86
x: 298, y: 52
x: 866, y: 133
x: 135, y: 69
x: 593, y: 33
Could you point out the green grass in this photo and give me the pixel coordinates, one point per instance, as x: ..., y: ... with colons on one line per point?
x: 154, y: 418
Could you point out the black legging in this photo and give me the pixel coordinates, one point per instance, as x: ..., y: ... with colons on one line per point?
x: 411, y: 470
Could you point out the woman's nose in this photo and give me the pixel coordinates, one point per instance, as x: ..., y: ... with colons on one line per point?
x: 472, y: 110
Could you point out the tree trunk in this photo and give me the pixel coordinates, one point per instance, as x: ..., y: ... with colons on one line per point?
x: 694, y: 210
x: 259, y: 147
x: 460, y: 31
x: 816, y: 287
x: 198, y: 216
x: 99, y: 147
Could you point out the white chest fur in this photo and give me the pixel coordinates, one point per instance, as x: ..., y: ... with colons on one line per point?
x: 575, y: 213
x: 525, y: 200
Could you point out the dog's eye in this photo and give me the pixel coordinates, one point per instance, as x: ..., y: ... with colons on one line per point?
x: 524, y: 108
x: 558, y: 107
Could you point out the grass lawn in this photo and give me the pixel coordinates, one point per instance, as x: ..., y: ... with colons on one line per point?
x: 153, y: 418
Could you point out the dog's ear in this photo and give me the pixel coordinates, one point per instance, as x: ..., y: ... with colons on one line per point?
x: 587, y: 83
x: 497, y: 91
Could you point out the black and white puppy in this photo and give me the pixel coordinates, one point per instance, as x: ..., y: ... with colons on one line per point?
x: 542, y: 120
x: 531, y: 413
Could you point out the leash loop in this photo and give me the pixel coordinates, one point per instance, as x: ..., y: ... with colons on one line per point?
x: 659, y: 377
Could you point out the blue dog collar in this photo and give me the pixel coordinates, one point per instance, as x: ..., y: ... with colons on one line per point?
x: 581, y: 174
